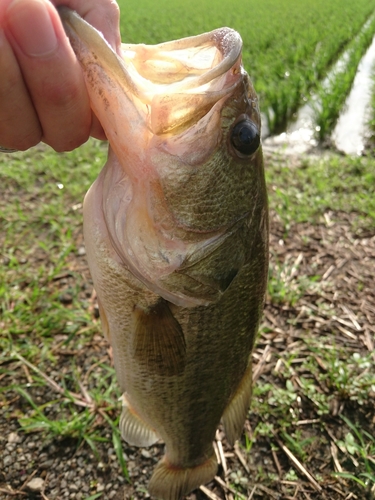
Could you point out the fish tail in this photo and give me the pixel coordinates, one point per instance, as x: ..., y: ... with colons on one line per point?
x: 169, y: 482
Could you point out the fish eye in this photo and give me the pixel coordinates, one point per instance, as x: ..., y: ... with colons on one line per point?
x: 245, y: 137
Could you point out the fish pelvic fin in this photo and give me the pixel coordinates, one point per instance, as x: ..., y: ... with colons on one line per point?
x: 169, y: 482
x: 234, y: 415
x: 159, y: 342
x: 133, y: 429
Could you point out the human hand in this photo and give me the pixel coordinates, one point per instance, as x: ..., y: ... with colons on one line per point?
x: 42, y: 92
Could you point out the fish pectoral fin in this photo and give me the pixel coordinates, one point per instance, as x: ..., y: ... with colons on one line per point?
x: 159, y: 342
x: 171, y: 482
x: 234, y: 415
x: 133, y: 429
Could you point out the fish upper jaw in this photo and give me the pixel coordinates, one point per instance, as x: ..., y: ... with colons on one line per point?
x: 153, y: 90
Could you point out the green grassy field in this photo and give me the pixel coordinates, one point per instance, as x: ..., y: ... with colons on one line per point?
x: 310, y: 431
x: 56, y: 379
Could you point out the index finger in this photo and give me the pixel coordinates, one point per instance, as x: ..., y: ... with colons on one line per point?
x: 104, y: 15
x: 50, y: 71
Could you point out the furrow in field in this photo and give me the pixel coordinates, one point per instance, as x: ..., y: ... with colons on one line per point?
x: 371, y: 112
x: 331, y: 97
x: 353, y: 128
x: 316, y: 119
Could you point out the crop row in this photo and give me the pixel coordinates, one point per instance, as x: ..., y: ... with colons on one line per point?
x: 332, y: 93
x: 289, y: 45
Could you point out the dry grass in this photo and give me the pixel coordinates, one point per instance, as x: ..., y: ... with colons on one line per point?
x: 310, y: 432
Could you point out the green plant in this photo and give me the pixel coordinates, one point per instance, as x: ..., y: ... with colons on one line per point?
x: 360, y: 444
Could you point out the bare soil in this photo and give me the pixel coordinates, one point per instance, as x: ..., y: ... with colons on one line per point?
x: 340, y: 312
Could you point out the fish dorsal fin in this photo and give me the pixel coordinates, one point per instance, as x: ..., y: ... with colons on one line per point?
x: 235, y: 413
x: 159, y: 342
x: 133, y: 429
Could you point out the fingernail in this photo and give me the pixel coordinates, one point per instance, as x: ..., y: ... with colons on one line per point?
x: 31, y: 26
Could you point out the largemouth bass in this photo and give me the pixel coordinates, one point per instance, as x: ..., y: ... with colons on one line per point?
x: 176, y: 232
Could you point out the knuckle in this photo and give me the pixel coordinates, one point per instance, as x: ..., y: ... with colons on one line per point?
x: 19, y: 127
x: 114, y: 10
x: 29, y: 142
x: 62, y: 95
x: 65, y: 115
x: 22, y: 142
x: 68, y: 145
x: 68, y: 139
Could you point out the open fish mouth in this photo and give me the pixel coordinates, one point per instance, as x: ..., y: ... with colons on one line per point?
x: 173, y: 84
x: 183, y: 79
x: 169, y: 192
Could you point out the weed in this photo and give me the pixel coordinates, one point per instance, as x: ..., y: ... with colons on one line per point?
x: 359, y: 444
x: 349, y: 378
x: 285, y: 284
x: 239, y: 479
x: 306, y: 195
x: 297, y: 444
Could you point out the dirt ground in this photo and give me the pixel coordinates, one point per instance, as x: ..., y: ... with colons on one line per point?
x: 340, y: 310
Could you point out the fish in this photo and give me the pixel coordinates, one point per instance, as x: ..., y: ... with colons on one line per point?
x: 176, y: 235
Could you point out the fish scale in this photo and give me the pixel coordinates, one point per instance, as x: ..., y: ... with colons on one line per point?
x: 176, y: 235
